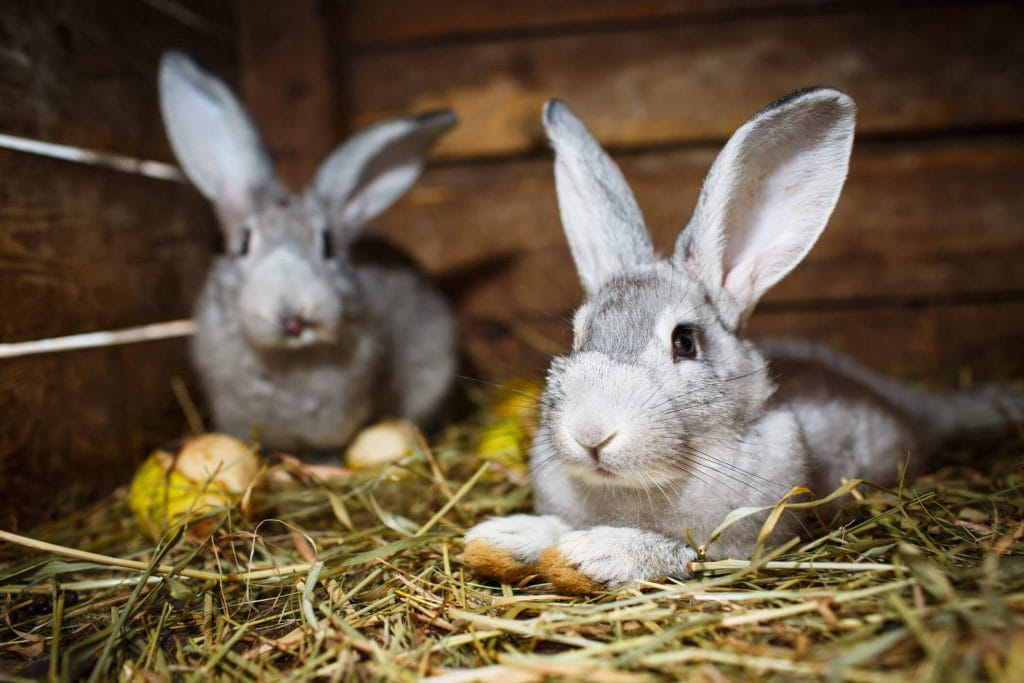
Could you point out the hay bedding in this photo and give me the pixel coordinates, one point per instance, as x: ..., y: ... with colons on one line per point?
x: 358, y: 578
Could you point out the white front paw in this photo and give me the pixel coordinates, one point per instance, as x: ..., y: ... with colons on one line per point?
x: 613, y: 556
x: 521, y: 536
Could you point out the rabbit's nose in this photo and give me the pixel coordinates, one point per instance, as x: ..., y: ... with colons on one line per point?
x: 294, y: 325
x: 595, y: 446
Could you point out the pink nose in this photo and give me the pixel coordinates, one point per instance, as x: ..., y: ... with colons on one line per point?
x: 294, y: 325
x: 594, y: 449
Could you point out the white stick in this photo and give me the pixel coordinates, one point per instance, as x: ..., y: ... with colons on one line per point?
x: 130, y: 335
x: 119, y: 162
x: 822, y: 566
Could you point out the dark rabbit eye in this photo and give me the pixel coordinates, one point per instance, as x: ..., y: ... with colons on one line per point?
x: 327, y: 245
x: 684, y: 343
x: 243, y: 248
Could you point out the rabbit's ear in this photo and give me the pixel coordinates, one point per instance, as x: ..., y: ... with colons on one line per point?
x: 375, y: 167
x: 601, y: 218
x: 215, y: 142
x: 767, y: 197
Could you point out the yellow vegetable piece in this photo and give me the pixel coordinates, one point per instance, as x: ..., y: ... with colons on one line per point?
x: 381, y: 444
x: 514, y: 410
x: 504, y: 441
x: 208, y: 472
x: 517, y: 398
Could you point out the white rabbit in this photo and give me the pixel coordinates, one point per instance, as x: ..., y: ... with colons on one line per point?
x: 303, y: 333
x: 663, y: 419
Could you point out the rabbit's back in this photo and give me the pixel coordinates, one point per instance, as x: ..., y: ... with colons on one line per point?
x: 417, y: 330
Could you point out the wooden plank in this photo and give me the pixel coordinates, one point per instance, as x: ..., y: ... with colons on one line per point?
x: 370, y: 22
x: 84, y: 248
x: 83, y: 72
x: 74, y: 425
x: 917, y: 220
x: 936, y: 345
x: 910, y: 69
x: 932, y: 344
x: 288, y: 84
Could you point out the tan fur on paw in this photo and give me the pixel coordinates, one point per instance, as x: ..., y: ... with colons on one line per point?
x: 565, y: 578
x: 495, y: 563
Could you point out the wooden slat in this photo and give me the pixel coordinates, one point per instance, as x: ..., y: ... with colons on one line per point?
x: 76, y: 424
x: 911, y: 69
x: 370, y: 22
x: 287, y: 82
x: 84, y: 248
x: 936, y: 345
x: 83, y: 72
x: 927, y: 220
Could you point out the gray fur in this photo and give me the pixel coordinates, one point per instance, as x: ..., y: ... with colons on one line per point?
x: 376, y: 337
x: 637, y: 450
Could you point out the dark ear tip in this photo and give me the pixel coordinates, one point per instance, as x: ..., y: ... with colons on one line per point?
x: 557, y: 115
x: 440, y: 118
x: 818, y: 93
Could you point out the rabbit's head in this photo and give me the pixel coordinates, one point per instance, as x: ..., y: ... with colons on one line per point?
x: 286, y: 271
x: 659, y: 378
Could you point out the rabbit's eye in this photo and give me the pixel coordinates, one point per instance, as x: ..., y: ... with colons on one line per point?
x: 684, y: 343
x: 327, y: 245
x: 243, y: 248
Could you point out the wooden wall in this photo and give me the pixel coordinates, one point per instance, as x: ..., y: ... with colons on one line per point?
x: 921, y: 271
x: 85, y: 248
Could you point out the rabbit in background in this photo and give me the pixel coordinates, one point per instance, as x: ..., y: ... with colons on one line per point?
x: 662, y: 419
x: 304, y: 332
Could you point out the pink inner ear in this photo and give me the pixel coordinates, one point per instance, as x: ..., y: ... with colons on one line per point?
x: 764, y: 238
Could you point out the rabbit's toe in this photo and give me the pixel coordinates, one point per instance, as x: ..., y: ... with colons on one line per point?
x: 588, y: 560
x: 508, y: 548
x: 566, y: 578
x: 496, y: 563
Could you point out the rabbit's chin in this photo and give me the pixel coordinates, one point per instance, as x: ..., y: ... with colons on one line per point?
x: 631, y: 478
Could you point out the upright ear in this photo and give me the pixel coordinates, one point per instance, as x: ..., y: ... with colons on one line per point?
x: 600, y: 215
x: 767, y: 197
x: 375, y: 167
x: 215, y: 142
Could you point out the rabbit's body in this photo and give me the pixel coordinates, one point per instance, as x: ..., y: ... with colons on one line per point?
x: 662, y: 419
x: 306, y: 329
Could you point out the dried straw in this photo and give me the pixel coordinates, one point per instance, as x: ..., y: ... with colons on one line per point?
x: 359, y: 578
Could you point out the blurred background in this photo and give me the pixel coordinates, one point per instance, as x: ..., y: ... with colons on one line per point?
x: 920, y: 273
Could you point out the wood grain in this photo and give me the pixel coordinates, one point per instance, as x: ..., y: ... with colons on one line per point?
x: 909, y: 69
x: 936, y: 345
x: 83, y: 72
x: 921, y: 220
x: 74, y: 425
x: 371, y: 22
x: 288, y: 82
x: 85, y: 249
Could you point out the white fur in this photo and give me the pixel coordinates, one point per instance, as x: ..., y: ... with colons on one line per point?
x: 374, y: 337
x: 594, y: 199
x: 638, y: 448
x: 524, y: 536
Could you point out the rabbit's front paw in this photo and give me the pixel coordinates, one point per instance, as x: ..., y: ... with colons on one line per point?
x: 508, y: 548
x: 589, y: 560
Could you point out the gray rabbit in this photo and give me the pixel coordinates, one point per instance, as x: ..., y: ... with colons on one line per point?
x: 663, y: 418
x: 304, y: 333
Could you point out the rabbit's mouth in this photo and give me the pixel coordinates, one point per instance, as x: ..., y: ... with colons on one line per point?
x: 290, y: 333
